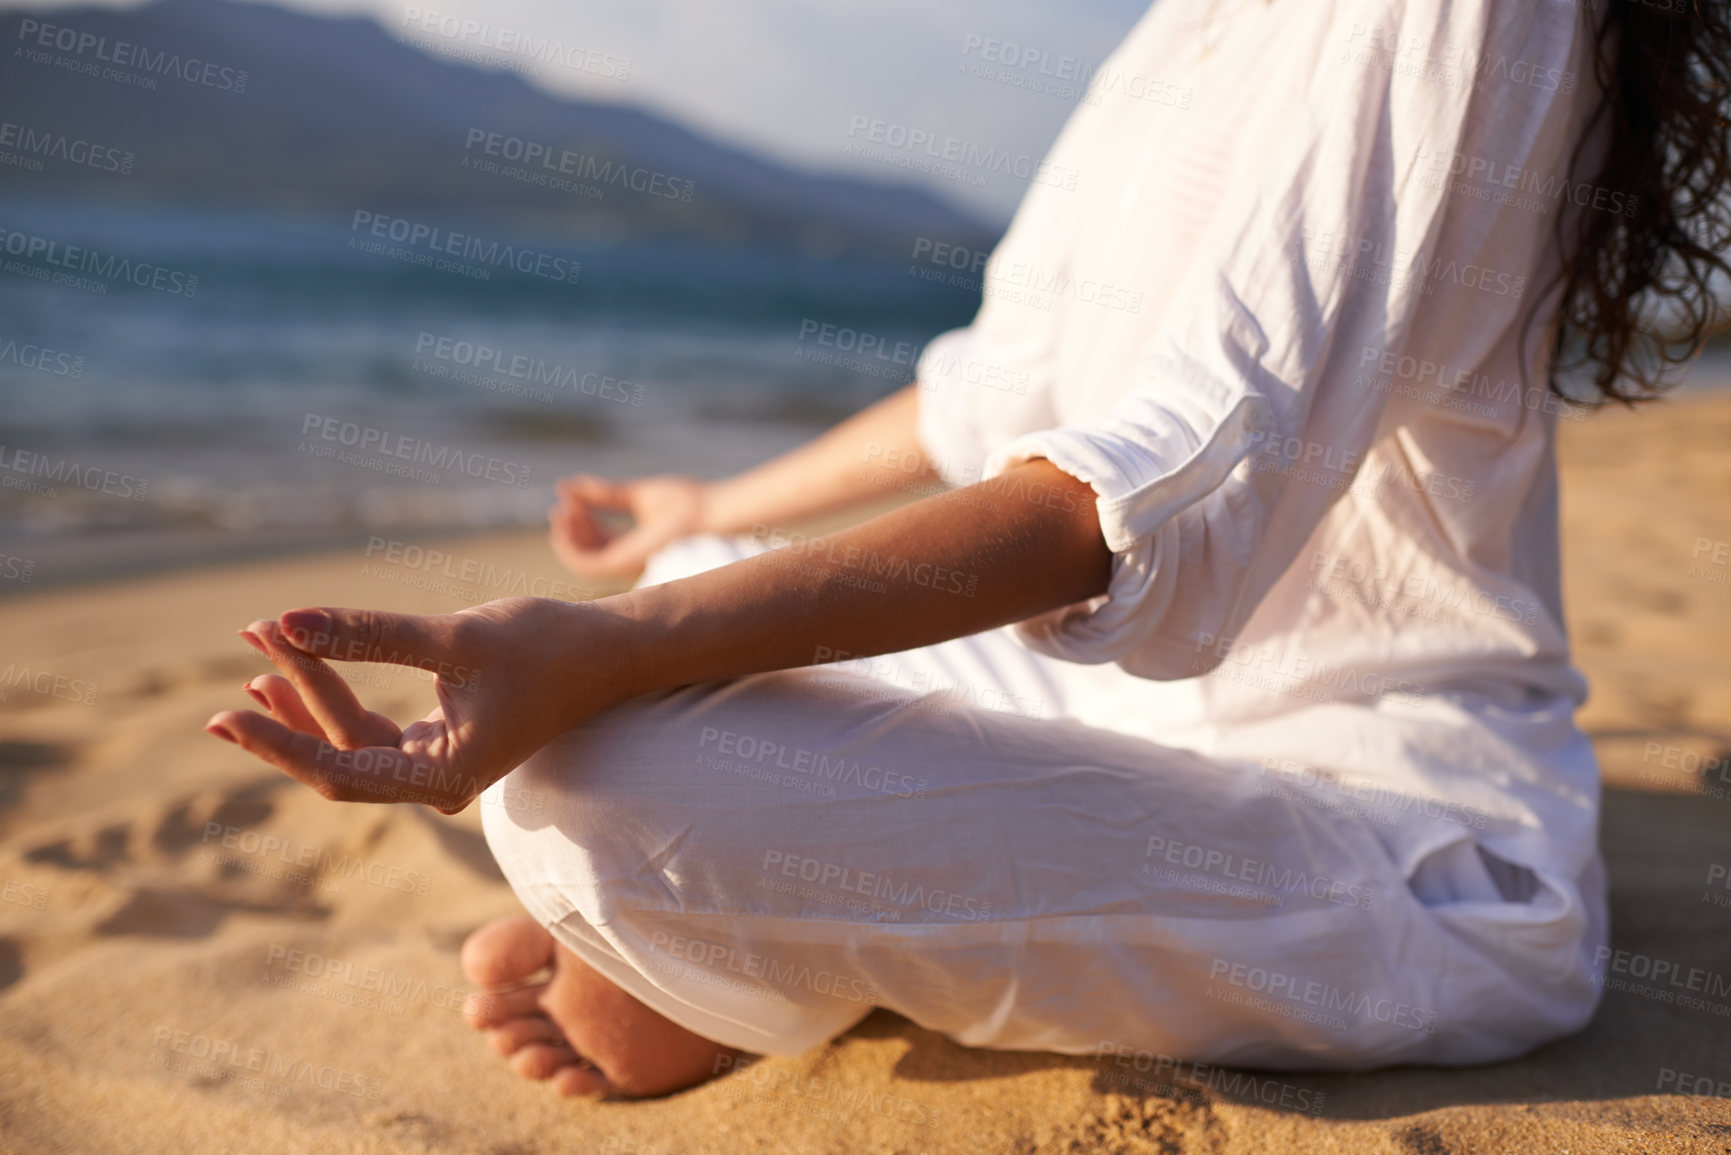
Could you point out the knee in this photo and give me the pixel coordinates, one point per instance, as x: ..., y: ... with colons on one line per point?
x: 604, y: 779
x: 601, y: 810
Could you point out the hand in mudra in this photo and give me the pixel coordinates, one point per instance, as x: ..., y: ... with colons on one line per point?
x: 661, y: 509
x: 511, y: 675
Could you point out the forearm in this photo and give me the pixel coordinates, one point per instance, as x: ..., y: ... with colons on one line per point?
x: 949, y: 565
x: 516, y: 673
x: 831, y: 472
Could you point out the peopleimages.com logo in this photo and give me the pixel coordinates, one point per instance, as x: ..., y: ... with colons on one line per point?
x: 38, y: 35
x: 415, y: 235
x: 105, y: 266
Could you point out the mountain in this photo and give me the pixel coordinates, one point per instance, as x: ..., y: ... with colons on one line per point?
x: 208, y: 102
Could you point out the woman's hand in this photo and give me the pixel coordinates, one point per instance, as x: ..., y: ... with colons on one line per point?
x: 834, y: 472
x: 511, y: 676
x: 515, y: 674
x: 663, y: 508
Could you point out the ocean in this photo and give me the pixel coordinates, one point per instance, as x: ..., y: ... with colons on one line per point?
x: 180, y: 385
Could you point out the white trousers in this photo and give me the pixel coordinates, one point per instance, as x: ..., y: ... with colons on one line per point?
x: 765, y: 860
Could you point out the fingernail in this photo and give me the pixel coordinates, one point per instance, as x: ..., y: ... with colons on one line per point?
x: 306, y: 622
x: 213, y: 728
x: 252, y: 640
x: 256, y: 696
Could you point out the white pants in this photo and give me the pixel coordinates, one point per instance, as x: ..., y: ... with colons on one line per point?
x: 765, y: 860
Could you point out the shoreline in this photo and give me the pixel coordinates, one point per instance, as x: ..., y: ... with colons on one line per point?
x: 154, y: 553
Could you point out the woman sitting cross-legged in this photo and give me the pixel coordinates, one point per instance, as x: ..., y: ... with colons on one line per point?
x: 1222, y: 705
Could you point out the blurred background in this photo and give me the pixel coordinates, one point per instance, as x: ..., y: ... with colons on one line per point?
x: 356, y: 282
x: 615, y: 237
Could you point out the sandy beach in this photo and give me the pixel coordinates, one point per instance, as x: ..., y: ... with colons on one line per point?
x: 197, y: 955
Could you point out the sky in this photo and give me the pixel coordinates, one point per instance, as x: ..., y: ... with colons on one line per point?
x: 799, y: 80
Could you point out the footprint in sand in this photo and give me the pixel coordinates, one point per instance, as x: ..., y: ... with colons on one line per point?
x: 169, y: 911
x: 20, y: 760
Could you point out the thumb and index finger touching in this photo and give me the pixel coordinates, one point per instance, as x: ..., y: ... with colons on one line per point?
x: 327, y: 716
x: 299, y: 642
x: 594, y: 548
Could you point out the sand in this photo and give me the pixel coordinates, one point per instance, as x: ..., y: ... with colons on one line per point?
x: 197, y: 955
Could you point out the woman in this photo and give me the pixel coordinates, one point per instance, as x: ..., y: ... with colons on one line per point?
x: 1223, y: 709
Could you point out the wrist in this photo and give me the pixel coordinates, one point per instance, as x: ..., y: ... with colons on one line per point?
x: 611, y: 646
x: 715, y: 502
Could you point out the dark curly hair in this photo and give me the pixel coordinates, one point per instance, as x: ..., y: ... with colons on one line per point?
x: 1637, y: 287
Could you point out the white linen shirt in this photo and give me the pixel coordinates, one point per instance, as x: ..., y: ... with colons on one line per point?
x: 1274, y: 321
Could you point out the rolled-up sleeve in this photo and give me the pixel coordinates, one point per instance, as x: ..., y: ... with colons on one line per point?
x: 1248, y: 415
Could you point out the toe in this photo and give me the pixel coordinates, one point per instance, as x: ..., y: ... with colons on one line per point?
x: 578, y: 1080
x: 542, y: 1060
x: 512, y: 1036
x: 506, y: 951
x: 484, y: 1010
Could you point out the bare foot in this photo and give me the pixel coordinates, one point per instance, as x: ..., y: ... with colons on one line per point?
x: 575, y: 1029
